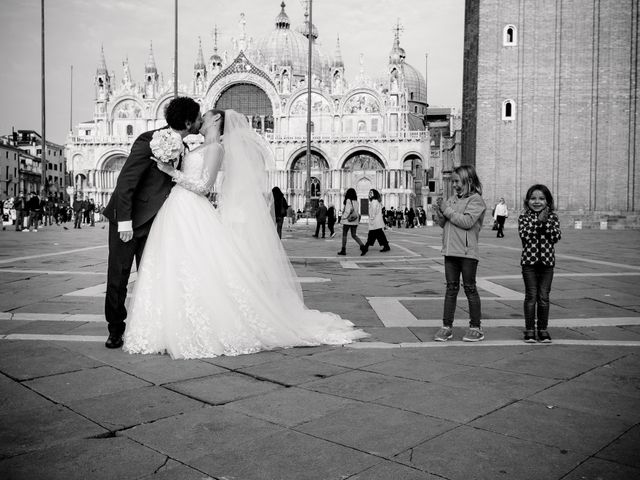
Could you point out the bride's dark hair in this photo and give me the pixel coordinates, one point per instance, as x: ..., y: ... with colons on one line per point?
x: 221, y: 112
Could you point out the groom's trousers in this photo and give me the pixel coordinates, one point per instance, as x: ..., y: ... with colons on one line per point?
x: 121, y: 256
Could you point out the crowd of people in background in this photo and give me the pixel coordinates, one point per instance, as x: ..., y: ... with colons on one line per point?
x: 28, y: 213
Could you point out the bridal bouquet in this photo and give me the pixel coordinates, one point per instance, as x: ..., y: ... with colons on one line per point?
x: 166, y: 145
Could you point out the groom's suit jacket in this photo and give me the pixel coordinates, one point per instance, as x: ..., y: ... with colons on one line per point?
x: 141, y: 188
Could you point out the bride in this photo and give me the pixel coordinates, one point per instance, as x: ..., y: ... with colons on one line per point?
x: 218, y: 282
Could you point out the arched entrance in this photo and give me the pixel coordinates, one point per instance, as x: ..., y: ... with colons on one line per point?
x: 363, y: 166
x: 299, y: 171
x: 251, y: 101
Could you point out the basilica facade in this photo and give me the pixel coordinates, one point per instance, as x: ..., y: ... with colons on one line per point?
x: 366, y: 132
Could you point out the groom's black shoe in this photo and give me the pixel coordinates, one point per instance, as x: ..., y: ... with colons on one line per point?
x: 114, y: 340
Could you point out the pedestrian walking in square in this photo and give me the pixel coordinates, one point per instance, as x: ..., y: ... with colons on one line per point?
x: 321, y: 219
x: 539, y: 230
x: 500, y: 214
x: 461, y: 218
x: 350, y: 219
x: 376, y: 223
x: 331, y: 220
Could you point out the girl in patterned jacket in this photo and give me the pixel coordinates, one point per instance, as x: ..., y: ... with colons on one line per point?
x: 539, y: 230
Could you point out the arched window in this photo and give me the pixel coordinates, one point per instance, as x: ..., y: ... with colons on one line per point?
x: 129, y: 130
x: 362, y: 127
x: 508, y: 110
x: 510, y: 36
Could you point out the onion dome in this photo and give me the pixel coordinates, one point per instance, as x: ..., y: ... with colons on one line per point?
x: 282, y: 20
x: 415, y: 84
x: 290, y: 46
x: 215, y: 59
x: 150, y: 66
x: 304, y: 29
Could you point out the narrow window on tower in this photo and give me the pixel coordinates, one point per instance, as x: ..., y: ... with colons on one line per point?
x: 509, y: 36
x: 508, y: 110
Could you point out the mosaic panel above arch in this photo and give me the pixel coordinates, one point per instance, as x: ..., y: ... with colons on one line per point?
x: 246, y: 98
x: 361, y: 103
x: 363, y: 160
x: 127, y: 109
x: 318, y: 161
x: 319, y: 105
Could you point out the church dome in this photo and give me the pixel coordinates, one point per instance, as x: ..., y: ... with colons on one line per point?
x: 284, y: 46
x: 414, y: 83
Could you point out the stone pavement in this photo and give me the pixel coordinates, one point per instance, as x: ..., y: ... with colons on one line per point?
x: 396, y: 406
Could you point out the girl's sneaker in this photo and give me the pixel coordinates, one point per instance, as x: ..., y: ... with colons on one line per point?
x: 474, y: 334
x: 543, y: 336
x: 529, y: 336
x: 444, y: 334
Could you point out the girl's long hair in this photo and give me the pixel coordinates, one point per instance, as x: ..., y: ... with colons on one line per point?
x: 375, y: 194
x: 469, y: 179
x: 545, y: 191
x: 350, y: 194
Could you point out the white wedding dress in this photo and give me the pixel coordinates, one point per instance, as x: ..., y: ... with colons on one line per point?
x: 218, y: 282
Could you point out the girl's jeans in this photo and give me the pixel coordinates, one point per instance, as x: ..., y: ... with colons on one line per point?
x: 453, y: 267
x: 537, y: 284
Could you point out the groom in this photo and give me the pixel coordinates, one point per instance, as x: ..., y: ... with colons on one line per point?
x: 140, y: 191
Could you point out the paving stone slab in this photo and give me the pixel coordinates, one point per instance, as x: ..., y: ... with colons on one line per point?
x: 417, y: 369
x: 365, y: 386
x: 537, y: 422
x: 223, y: 388
x: 293, y: 371
x: 157, y: 369
x: 7, y: 326
x: 40, y: 428
x: 354, y: 358
x: 507, y: 383
x: 606, y: 379
x: 241, y: 361
x: 68, y: 387
x: 541, y: 366
x: 595, y: 401
x: 457, y: 404
x: 458, y: 452
x: 389, y: 470
x: 25, y: 359
x: 173, y: 470
x: 376, y: 429
x: 200, y: 432
x: 120, y: 410
x: 285, y: 455
x: 597, y: 469
x: 390, y: 335
x: 290, y: 406
x: 463, y: 356
x: 15, y: 397
x: 587, y: 355
x: 95, y: 459
x: 624, y: 449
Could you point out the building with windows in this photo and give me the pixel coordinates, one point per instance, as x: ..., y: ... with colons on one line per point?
x: 24, y: 149
x: 551, y: 96
x: 366, y: 133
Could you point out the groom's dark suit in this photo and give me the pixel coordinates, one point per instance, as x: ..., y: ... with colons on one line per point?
x: 140, y: 191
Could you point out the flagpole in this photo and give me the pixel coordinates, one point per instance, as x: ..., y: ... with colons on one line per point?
x: 43, y: 156
x: 309, y: 82
x: 175, y: 53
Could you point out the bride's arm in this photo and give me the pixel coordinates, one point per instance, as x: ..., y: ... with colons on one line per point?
x: 211, y: 166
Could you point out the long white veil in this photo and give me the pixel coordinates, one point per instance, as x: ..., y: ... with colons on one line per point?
x: 245, y: 206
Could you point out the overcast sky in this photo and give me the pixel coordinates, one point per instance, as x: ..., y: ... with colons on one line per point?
x: 75, y: 30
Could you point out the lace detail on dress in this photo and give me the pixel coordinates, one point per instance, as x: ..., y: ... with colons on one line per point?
x: 201, y: 186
